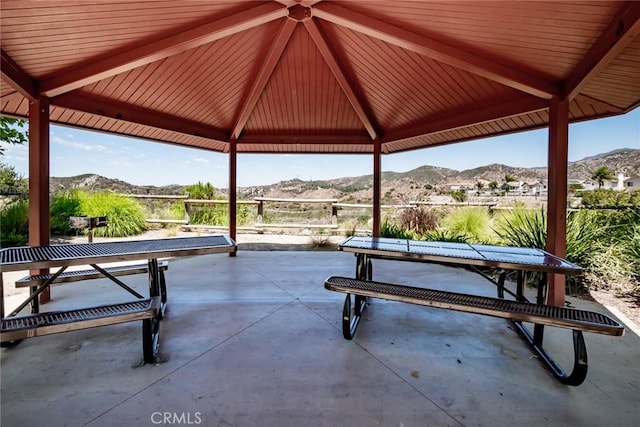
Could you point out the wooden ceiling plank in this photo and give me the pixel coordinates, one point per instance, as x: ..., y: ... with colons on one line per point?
x: 341, y: 77
x: 269, y: 64
x: 163, y: 48
x: 13, y: 74
x: 622, y: 30
x: 123, y: 112
x: 439, y: 51
x: 516, y: 107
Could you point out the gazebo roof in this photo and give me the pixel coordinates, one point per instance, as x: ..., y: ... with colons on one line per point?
x: 318, y: 76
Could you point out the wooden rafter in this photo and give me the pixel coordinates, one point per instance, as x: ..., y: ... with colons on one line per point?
x: 436, y: 50
x: 269, y: 64
x: 120, y: 111
x: 306, y: 139
x: 477, y: 116
x: 618, y: 35
x: 168, y: 46
x: 16, y: 77
x: 341, y: 77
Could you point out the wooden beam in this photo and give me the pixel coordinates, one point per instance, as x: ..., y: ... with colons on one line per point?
x: 312, y: 139
x: 451, y: 55
x: 269, y: 64
x: 341, y: 77
x: 39, y: 154
x: 377, y: 186
x: 557, y: 197
x: 624, y: 28
x: 13, y: 74
x: 233, y: 191
x: 121, y: 111
x: 480, y: 115
x: 107, y: 67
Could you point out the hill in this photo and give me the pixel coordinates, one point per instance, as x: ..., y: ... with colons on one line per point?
x: 397, y: 187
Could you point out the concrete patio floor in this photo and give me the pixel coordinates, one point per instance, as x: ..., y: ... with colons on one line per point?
x: 255, y: 340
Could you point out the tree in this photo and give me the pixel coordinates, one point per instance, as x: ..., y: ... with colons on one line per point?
x: 12, y: 132
x: 601, y: 174
x: 11, y: 182
x: 479, y: 187
x: 493, y: 185
x: 509, y: 178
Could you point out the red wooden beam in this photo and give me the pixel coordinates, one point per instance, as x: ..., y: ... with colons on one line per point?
x: 269, y: 64
x: 476, y: 116
x: 103, y: 68
x: 448, y: 54
x: 341, y: 77
x: 120, y: 111
x: 557, y: 197
x: 39, y: 149
x: 233, y: 191
x: 377, y: 187
x: 624, y: 28
x: 306, y: 139
x: 13, y: 74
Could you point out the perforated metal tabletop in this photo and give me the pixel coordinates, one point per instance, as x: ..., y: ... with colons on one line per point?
x: 28, y: 257
x: 516, y: 258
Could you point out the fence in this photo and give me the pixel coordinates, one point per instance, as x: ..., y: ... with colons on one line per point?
x: 288, y: 207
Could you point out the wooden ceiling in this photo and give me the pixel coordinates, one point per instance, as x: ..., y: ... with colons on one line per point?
x: 317, y: 76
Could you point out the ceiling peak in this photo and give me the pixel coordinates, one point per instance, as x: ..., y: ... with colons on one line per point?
x: 299, y: 13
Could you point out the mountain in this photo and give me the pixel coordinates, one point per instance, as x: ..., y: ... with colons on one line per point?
x: 397, y: 187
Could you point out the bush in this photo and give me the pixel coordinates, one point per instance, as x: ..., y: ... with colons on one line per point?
x: 64, y: 205
x: 390, y: 229
x: 14, y: 221
x: 472, y: 222
x: 522, y: 227
x: 418, y: 220
x: 124, y: 215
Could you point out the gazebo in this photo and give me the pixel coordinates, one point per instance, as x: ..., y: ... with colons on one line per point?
x: 313, y: 76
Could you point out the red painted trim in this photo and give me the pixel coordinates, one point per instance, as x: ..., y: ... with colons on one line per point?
x: 269, y: 64
x: 100, y: 69
x: 342, y: 79
x: 17, y: 77
x: 622, y: 31
x: 125, y: 112
x: 448, y: 54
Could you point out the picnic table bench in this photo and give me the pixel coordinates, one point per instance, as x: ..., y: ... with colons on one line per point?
x: 474, y: 256
x: 149, y: 310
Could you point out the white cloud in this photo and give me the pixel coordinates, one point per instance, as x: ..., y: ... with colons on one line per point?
x: 201, y: 160
x: 78, y: 145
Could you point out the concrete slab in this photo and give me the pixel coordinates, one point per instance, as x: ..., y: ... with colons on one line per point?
x: 255, y: 340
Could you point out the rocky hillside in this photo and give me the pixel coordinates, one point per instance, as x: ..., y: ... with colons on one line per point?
x: 396, y: 187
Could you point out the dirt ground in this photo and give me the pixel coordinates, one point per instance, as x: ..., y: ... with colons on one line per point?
x: 618, y: 297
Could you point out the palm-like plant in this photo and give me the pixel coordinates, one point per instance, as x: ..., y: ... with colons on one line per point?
x: 601, y: 174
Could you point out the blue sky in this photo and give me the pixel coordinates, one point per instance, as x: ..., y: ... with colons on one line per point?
x: 75, y: 152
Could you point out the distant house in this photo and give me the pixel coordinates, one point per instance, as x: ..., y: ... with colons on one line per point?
x: 534, y: 188
x: 631, y: 183
x: 512, y: 187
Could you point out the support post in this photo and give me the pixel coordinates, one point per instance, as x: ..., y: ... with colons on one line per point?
x: 39, y: 179
x: 557, y: 195
x: 377, y: 183
x: 233, y: 164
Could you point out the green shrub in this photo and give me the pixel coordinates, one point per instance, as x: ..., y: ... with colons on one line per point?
x: 125, y: 216
x: 446, y: 235
x: 14, y: 224
x: 388, y: 228
x: 63, y: 206
x: 472, y: 222
x: 522, y: 227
